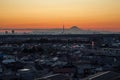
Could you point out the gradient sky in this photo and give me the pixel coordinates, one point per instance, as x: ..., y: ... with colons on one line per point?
x: 87, y: 14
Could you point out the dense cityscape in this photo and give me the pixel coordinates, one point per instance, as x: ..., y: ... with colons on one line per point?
x: 60, y: 57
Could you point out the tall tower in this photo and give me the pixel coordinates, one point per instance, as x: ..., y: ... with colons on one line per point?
x: 63, y: 29
x: 93, y: 44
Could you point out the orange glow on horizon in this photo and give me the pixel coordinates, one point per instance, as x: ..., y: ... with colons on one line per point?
x: 42, y: 14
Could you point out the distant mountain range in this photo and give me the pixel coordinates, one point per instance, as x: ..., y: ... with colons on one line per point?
x: 72, y: 30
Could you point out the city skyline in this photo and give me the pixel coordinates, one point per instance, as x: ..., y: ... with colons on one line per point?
x: 46, y: 14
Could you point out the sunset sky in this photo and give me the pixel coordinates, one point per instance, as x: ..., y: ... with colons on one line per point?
x: 87, y: 14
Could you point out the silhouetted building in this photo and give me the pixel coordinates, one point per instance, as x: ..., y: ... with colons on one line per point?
x: 13, y: 31
x: 6, y: 32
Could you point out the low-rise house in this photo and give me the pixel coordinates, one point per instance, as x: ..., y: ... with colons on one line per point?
x: 108, y: 75
x: 54, y: 77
